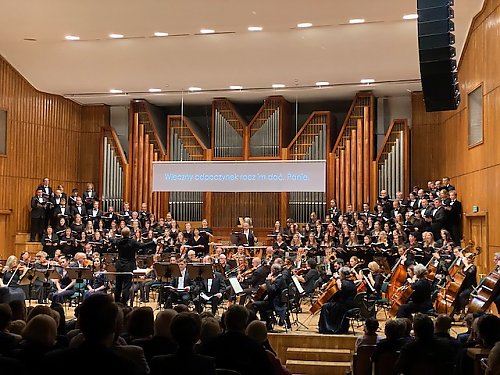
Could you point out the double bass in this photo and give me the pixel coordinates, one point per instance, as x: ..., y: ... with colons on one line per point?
x: 328, y: 293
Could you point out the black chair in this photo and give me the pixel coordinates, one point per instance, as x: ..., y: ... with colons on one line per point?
x: 361, y: 360
x: 386, y: 363
x: 364, y: 309
x: 383, y: 303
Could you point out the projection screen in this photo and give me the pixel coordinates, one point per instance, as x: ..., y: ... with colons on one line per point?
x: 240, y: 176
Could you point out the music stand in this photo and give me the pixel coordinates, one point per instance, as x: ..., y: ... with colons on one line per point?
x: 165, y: 272
x: 199, y: 272
x: 28, y: 278
x: 79, y: 274
x: 301, y: 292
x: 238, y: 238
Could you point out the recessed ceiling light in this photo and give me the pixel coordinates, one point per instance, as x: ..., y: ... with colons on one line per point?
x: 304, y: 25
x: 207, y: 31
x: 159, y: 33
x: 278, y: 85
x: 116, y: 36
x: 194, y: 88
x: 235, y: 87
x: 72, y: 37
x: 116, y: 91
x: 357, y: 20
x: 255, y: 28
x: 322, y: 83
x: 410, y: 16
x: 154, y: 90
x: 367, y: 81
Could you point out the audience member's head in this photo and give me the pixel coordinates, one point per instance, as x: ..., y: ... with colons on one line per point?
x: 488, y: 329
x: 140, y: 322
x: 163, y: 321
x: 42, y: 310
x: 16, y: 326
x: 186, y: 329
x: 236, y: 318
x: 41, y: 330
x: 371, y: 326
x: 423, y: 327
x: 206, y: 314
x: 257, y: 330
x: 61, y: 328
x: 180, y: 308
x: 210, y: 329
x: 407, y: 325
x: 18, y: 308
x: 98, y: 318
x: 394, y: 329
x: 442, y: 324
x: 5, y: 316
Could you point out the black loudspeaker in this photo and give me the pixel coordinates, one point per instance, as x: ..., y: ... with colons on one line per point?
x: 438, y: 67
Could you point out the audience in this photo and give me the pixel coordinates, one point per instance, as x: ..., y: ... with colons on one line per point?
x: 185, y: 330
x: 370, y: 336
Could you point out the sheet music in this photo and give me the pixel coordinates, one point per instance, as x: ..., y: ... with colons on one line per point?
x: 235, y: 284
x: 297, y: 284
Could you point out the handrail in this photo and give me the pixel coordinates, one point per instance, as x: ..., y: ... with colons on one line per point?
x: 117, y: 145
x: 396, y: 125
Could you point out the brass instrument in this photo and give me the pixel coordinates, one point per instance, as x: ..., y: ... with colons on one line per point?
x: 303, y: 257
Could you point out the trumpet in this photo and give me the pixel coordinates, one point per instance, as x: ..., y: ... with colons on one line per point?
x: 303, y: 257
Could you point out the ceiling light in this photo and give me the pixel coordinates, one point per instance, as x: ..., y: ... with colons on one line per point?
x: 410, y: 16
x: 116, y: 36
x: 367, y: 81
x: 159, y: 33
x: 255, y: 28
x: 116, y: 91
x: 304, y: 25
x: 322, y: 83
x: 357, y: 20
x: 154, y: 90
x: 72, y: 37
x: 194, y: 88
x: 207, y: 31
x: 278, y: 86
x: 235, y: 87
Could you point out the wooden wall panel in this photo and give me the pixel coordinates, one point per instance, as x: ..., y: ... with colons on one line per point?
x: 47, y: 136
x: 440, y: 140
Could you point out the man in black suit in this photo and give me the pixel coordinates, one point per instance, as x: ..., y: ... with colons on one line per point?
x: 38, y: 204
x: 454, y: 211
x: 275, y: 284
x: 180, y: 290
x: 438, y: 217
x: 334, y: 211
x: 127, y: 250
x: 234, y: 350
x: 255, y: 280
x: 61, y: 210
x: 446, y: 184
x: 47, y: 192
x: 89, y: 197
x: 95, y: 214
x: 78, y: 208
x: 211, y: 290
x: 250, y: 238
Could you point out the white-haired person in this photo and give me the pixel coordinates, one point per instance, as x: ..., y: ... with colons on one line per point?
x: 420, y: 300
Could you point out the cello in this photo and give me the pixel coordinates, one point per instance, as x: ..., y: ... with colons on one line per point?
x: 485, y: 292
x: 400, y: 297
x: 328, y: 293
x: 397, y: 277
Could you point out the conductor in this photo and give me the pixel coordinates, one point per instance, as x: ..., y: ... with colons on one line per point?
x: 127, y: 250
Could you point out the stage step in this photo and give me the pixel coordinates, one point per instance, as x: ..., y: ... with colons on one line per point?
x: 22, y: 243
x: 318, y: 354
x: 318, y: 367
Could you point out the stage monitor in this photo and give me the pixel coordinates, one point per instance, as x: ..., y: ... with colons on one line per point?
x: 240, y: 176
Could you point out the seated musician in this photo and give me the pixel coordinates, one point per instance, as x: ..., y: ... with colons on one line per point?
x: 274, y: 286
x: 42, y: 287
x: 99, y: 284
x: 191, y: 257
x: 331, y: 318
x: 420, y: 300
x: 252, y: 278
x: 355, y: 263
x: 249, y: 235
x: 211, y: 290
x: 179, y: 292
x: 64, y: 287
x: 375, y: 278
x: 301, y: 258
x: 468, y: 284
x: 11, y: 275
x: 310, y: 278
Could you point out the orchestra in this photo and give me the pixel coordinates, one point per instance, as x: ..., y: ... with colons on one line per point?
x: 349, y: 253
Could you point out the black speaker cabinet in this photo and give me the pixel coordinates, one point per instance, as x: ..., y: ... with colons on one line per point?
x: 438, y: 67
